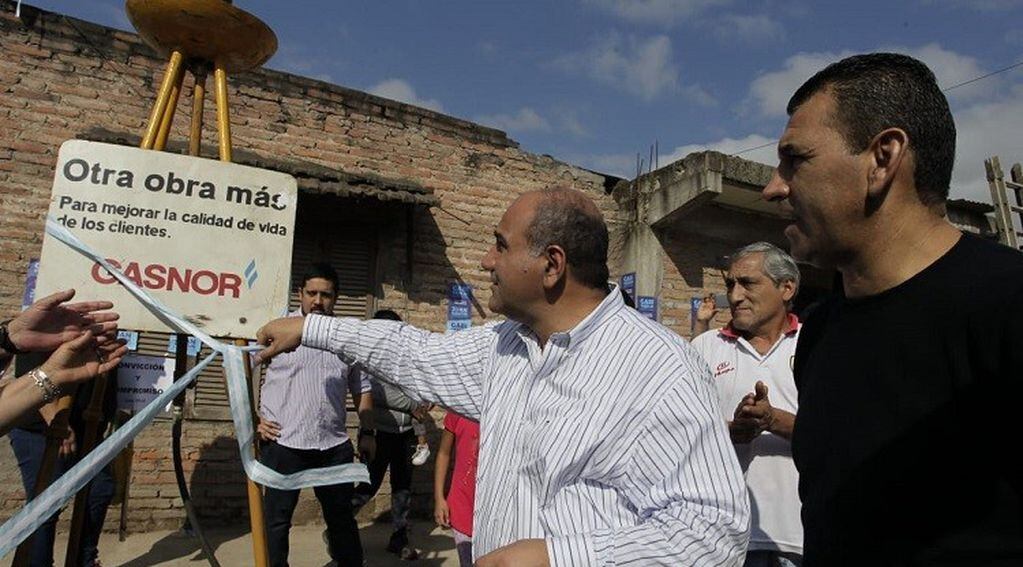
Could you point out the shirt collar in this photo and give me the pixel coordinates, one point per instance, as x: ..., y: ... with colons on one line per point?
x: 791, y: 322
x: 607, y: 308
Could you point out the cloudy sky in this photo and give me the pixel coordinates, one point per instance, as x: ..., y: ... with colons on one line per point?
x: 596, y: 82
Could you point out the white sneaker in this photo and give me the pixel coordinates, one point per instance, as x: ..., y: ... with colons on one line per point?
x: 422, y: 453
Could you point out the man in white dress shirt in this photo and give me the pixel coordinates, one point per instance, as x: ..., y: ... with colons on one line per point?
x: 601, y: 438
x: 302, y: 426
x: 751, y: 360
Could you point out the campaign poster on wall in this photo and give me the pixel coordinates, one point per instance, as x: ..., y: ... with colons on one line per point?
x: 459, y: 306
x: 647, y: 306
x: 628, y: 283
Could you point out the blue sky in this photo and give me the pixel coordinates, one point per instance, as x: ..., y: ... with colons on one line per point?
x: 594, y: 82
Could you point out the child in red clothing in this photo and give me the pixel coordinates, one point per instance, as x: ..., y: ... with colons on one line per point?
x: 455, y: 510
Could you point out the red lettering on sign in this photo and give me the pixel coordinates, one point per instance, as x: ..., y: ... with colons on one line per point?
x: 172, y: 278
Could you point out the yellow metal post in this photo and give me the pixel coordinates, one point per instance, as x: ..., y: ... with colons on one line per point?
x: 223, y: 114
x: 171, y: 77
x: 198, y: 96
x: 260, y: 552
x: 168, y: 114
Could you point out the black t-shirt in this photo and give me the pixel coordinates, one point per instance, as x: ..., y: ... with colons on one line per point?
x: 907, y: 434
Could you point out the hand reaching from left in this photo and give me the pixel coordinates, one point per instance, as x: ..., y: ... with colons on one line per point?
x: 83, y: 358
x: 50, y: 322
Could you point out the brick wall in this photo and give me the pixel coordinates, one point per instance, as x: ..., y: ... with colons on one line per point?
x: 62, y: 77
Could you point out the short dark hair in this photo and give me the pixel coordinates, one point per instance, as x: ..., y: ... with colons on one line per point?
x: 568, y: 218
x: 876, y: 91
x: 320, y: 270
x: 387, y: 314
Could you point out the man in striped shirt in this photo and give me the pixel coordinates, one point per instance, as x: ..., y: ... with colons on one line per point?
x: 302, y: 426
x: 601, y: 439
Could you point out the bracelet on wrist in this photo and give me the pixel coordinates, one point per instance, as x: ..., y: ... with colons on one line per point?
x: 42, y: 381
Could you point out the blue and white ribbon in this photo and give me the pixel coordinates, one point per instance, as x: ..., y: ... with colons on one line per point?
x: 35, y: 513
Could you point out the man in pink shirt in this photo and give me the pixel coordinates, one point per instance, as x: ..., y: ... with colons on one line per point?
x: 455, y: 511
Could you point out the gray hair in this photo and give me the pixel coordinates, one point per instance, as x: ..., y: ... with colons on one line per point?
x: 778, y: 265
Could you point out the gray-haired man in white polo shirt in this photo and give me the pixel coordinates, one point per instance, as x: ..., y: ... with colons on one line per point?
x: 751, y: 359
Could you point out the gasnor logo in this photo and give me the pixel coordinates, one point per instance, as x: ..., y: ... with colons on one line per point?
x: 173, y: 278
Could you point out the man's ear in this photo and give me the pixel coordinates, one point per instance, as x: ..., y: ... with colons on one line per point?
x: 788, y: 290
x: 887, y: 153
x: 556, y: 265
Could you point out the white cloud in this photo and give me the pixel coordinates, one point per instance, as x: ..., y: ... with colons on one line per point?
x: 753, y: 147
x: 525, y: 120
x: 657, y: 12
x: 643, y: 67
x: 401, y: 91
x: 986, y: 129
x: 952, y: 68
x: 742, y: 28
x: 769, y: 93
x: 570, y: 122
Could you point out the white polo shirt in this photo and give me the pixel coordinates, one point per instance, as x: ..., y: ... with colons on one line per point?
x: 767, y: 462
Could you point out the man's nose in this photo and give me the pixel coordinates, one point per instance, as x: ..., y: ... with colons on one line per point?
x: 488, y: 260
x: 776, y: 189
x: 735, y: 295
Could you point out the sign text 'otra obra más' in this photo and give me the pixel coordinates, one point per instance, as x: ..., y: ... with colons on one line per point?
x: 205, y: 237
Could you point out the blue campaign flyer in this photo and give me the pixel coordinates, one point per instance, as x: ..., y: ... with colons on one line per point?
x: 647, y: 306
x: 459, y: 306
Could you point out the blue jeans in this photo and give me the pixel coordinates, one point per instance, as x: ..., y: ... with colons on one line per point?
x: 28, y: 448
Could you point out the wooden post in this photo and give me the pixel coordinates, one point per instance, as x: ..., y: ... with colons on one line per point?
x: 93, y: 418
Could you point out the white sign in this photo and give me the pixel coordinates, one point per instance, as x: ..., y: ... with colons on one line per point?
x: 140, y: 379
x: 210, y: 239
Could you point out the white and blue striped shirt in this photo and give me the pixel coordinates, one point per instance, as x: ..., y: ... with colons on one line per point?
x: 607, y: 443
x: 305, y: 392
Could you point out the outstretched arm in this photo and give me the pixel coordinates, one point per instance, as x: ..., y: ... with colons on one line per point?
x: 446, y: 369
x: 74, y: 362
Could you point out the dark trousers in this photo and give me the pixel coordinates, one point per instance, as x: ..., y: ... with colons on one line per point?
x: 394, y: 451
x: 335, y: 500
x: 29, y: 447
